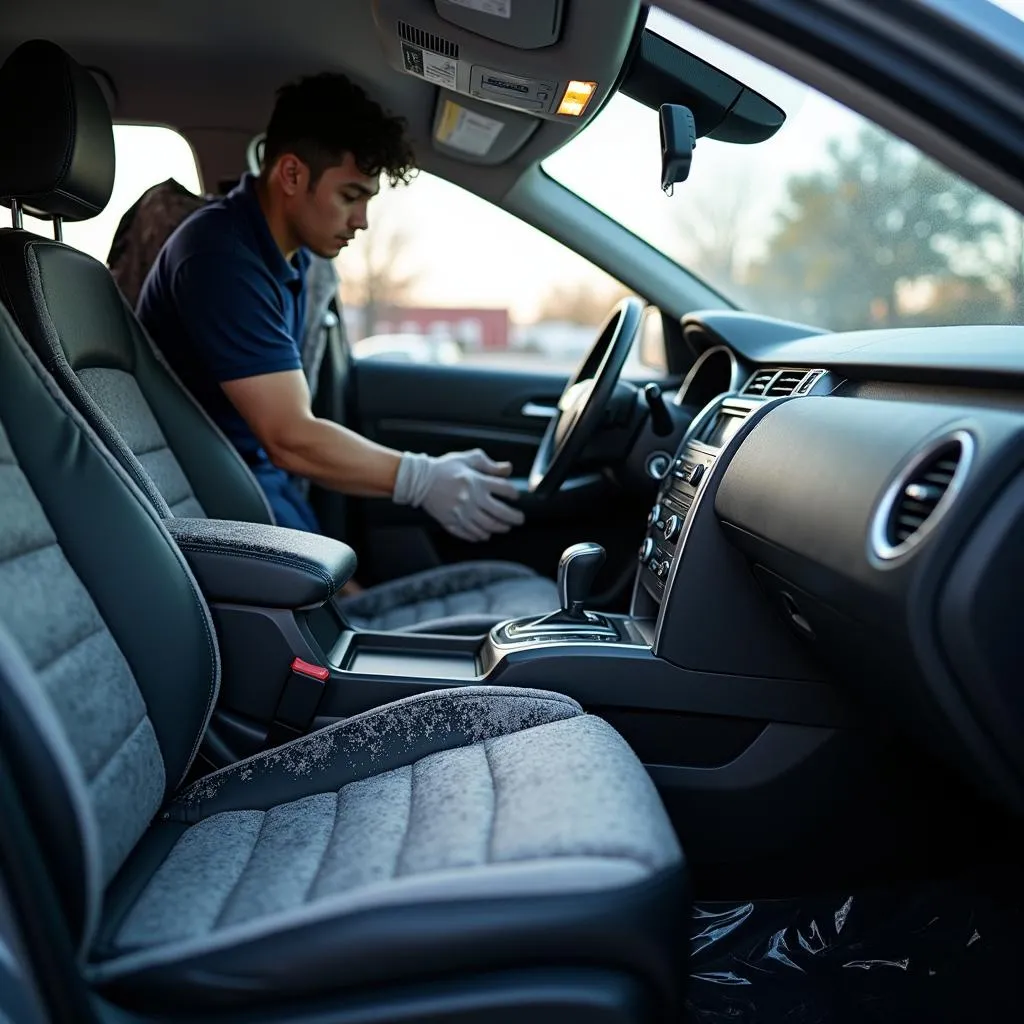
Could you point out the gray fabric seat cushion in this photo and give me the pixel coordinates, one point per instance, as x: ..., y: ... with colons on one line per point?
x: 451, y: 596
x: 437, y: 801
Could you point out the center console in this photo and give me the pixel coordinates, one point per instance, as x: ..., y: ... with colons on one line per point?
x: 737, y: 720
x: 668, y: 521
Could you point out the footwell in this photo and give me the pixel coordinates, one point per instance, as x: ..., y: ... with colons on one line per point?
x: 941, y: 951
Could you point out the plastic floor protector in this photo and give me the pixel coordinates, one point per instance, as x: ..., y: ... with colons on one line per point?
x: 938, y: 951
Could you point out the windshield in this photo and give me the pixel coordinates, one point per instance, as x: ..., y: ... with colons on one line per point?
x: 833, y: 221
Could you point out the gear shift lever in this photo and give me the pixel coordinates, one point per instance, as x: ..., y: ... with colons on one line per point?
x: 577, y: 568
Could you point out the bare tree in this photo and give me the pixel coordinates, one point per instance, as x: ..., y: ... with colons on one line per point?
x: 581, y: 302
x: 709, y: 225
x: 375, y: 272
x: 1014, y: 268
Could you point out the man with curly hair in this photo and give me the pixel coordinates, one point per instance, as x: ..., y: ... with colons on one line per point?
x: 225, y: 302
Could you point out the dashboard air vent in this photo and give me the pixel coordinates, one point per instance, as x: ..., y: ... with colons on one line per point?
x: 809, y: 381
x: 918, y: 499
x: 428, y: 40
x: 759, y: 382
x: 786, y: 382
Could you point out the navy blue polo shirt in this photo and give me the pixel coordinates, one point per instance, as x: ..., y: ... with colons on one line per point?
x: 223, y: 303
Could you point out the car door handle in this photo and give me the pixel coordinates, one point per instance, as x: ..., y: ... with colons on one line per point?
x: 536, y: 411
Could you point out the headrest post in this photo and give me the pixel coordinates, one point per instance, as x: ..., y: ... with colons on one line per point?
x: 58, y: 229
x: 16, y: 222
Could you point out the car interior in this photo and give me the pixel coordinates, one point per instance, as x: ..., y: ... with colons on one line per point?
x: 729, y: 729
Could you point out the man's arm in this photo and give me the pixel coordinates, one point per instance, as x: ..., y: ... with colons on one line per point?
x: 277, y: 408
x: 230, y: 310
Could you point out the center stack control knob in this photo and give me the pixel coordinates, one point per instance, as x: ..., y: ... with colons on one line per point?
x: 646, y: 550
x: 672, y: 525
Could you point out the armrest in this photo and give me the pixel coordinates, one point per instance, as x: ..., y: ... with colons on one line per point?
x: 270, y: 566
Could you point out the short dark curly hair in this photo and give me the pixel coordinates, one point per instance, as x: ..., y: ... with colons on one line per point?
x: 322, y: 117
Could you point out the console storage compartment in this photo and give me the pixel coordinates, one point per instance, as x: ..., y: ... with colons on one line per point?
x: 456, y: 659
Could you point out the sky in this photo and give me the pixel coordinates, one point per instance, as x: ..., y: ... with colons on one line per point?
x: 463, y: 251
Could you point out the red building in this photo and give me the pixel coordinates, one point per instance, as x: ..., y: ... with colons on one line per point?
x: 473, y: 329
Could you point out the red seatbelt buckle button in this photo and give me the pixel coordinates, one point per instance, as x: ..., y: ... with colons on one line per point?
x: 307, y: 668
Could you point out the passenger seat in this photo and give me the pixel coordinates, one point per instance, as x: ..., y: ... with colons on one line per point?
x: 455, y: 834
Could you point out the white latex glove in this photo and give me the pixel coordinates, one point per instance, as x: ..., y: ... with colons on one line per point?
x: 461, y: 490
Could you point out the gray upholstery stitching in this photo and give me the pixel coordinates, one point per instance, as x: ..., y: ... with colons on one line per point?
x: 323, y: 856
x: 101, y: 628
x: 408, y: 820
x: 91, y: 438
x: 241, y: 874
x: 28, y: 552
x: 151, y: 451
x: 489, y: 851
x: 114, y: 752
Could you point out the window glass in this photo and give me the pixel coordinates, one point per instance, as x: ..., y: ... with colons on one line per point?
x: 444, y: 276
x: 833, y: 221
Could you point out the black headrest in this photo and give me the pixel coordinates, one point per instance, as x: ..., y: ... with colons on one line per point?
x: 57, y: 153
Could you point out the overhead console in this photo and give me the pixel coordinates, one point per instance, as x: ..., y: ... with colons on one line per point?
x: 544, y: 58
x: 527, y: 26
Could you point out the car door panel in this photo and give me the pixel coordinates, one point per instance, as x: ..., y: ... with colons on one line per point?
x: 436, y: 409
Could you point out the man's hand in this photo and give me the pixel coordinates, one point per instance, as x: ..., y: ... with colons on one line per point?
x: 461, y: 490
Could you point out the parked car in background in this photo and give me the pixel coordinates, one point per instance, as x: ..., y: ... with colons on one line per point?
x: 408, y: 348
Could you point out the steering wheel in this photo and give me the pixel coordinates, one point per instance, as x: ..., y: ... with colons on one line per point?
x: 585, y: 397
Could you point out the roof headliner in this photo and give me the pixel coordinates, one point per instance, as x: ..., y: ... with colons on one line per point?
x: 210, y: 69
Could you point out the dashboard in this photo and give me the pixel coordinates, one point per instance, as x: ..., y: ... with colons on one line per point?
x: 851, y: 508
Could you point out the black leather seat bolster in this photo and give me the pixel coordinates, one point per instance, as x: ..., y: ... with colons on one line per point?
x: 269, y: 566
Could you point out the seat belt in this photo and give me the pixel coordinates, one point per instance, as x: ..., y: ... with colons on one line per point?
x: 296, y: 710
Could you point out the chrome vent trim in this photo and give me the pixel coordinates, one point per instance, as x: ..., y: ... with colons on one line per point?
x: 780, y: 382
x: 759, y: 383
x: 786, y: 382
x: 428, y: 40
x: 924, y: 490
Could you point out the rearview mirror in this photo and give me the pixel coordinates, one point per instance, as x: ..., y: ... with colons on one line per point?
x: 723, y: 108
x: 678, y: 137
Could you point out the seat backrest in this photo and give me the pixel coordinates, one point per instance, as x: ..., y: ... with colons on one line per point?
x: 73, y: 315
x: 108, y: 661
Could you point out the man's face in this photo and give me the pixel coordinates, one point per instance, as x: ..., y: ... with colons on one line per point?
x: 325, y: 218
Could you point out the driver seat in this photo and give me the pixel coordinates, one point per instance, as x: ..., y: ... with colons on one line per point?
x: 60, y: 163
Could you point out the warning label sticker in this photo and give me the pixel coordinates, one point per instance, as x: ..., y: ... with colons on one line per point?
x: 429, y: 65
x: 499, y: 8
x: 467, y: 131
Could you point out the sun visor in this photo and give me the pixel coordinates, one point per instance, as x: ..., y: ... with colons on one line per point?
x: 476, y: 132
x: 559, y: 81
